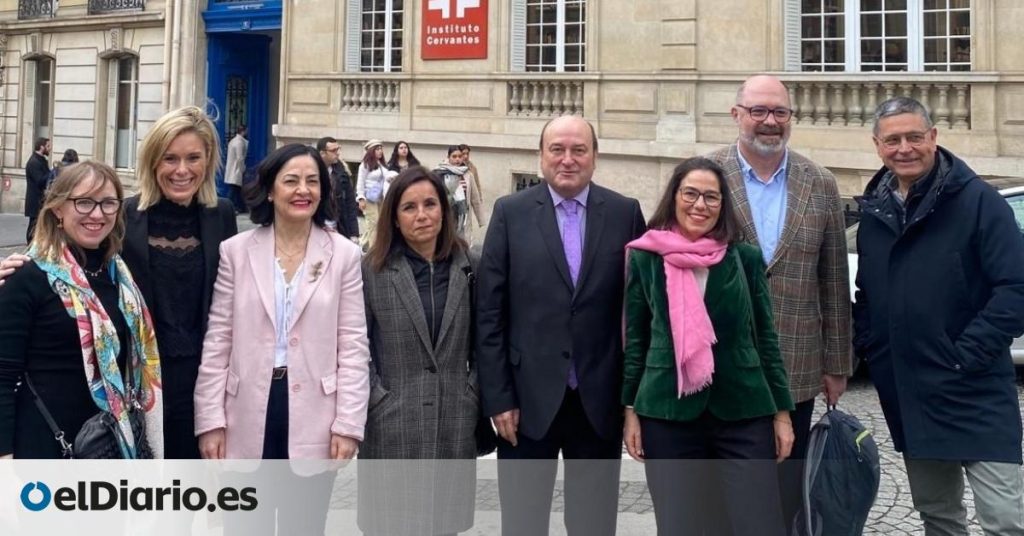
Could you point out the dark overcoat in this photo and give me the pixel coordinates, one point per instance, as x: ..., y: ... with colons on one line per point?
x: 939, y: 300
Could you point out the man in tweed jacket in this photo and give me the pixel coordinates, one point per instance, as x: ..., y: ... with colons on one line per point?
x: 789, y: 207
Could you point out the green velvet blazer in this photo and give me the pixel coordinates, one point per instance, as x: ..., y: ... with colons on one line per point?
x: 749, y: 379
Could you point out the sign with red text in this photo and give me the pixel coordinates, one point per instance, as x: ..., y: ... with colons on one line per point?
x: 454, y: 30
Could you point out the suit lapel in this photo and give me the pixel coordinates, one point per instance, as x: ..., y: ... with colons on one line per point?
x: 261, y: 262
x: 592, y: 236
x: 738, y: 189
x: 458, y: 284
x: 409, y: 295
x: 318, y: 262
x: 544, y: 215
x: 719, y: 277
x: 798, y: 191
x: 137, y: 237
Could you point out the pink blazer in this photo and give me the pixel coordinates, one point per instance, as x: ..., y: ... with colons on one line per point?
x: 328, y: 352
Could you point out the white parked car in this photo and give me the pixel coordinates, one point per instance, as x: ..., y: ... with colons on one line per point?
x: 1014, y: 196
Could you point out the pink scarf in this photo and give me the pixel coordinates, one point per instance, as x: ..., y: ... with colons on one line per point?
x: 692, y: 332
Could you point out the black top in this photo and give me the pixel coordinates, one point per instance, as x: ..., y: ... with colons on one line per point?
x: 39, y: 337
x: 345, y: 196
x: 176, y: 271
x: 37, y: 169
x: 432, y: 283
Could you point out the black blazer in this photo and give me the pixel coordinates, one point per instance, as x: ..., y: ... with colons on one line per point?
x: 215, y: 226
x: 530, y: 319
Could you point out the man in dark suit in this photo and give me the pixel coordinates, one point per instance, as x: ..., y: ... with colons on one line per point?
x: 550, y: 336
x: 37, y: 169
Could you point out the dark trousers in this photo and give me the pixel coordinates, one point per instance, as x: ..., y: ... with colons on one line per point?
x: 31, y: 229
x: 234, y: 192
x: 684, y: 460
x: 178, y: 374
x: 526, y: 476
x: 791, y: 471
x: 300, y: 503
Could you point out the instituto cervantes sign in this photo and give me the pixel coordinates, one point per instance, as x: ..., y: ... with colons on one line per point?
x: 454, y: 30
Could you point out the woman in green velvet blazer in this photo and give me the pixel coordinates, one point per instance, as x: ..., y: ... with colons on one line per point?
x: 724, y: 395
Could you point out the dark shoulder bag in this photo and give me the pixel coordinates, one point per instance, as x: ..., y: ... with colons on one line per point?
x: 98, y: 439
x: 486, y: 438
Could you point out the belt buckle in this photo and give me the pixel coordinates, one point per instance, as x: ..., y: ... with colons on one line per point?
x: 279, y: 373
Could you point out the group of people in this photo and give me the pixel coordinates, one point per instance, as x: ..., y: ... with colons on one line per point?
x: 704, y: 333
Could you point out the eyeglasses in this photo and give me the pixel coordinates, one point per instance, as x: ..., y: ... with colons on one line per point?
x: 334, y: 150
x: 914, y: 139
x: 690, y: 196
x: 760, y: 113
x: 85, y: 205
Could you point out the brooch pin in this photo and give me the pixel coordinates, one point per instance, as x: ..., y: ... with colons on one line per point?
x: 317, y: 270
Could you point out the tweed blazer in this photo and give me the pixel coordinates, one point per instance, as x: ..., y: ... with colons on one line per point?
x: 423, y: 405
x: 808, y: 274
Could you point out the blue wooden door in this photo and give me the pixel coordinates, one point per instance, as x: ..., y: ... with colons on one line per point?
x: 237, y: 74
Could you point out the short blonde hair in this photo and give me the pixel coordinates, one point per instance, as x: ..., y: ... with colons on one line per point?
x: 49, y: 237
x: 154, y: 145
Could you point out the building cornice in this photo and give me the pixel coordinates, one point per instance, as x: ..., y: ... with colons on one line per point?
x: 135, y: 19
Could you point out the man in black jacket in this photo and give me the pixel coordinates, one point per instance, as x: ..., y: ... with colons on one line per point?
x: 940, y: 297
x: 344, y: 191
x: 36, y: 170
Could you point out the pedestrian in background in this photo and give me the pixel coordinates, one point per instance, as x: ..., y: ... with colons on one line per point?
x: 346, y: 209
x: 75, y: 330
x: 402, y: 157
x: 940, y: 298
x: 457, y: 181
x: 234, y: 169
x: 70, y: 157
x: 37, y: 169
x: 704, y: 379
x: 476, y: 196
x: 371, y: 187
x: 418, y: 278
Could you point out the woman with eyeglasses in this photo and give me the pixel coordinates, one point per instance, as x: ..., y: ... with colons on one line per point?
x: 173, y: 231
x: 75, y: 330
x: 704, y: 379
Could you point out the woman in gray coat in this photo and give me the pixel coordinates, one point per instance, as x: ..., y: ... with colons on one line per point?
x: 423, y: 397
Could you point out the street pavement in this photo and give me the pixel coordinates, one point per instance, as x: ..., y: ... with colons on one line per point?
x: 892, y: 514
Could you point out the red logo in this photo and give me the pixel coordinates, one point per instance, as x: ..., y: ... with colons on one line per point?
x: 454, y: 29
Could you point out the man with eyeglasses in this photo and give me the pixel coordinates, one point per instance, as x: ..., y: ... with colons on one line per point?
x: 789, y: 207
x: 940, y: 297
x: 346, y: 209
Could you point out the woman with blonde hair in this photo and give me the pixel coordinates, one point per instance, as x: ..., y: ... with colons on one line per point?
x: 74, y: 313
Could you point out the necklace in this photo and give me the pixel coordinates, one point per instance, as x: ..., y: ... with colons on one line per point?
x: 93, y: 273
x: 285, y: 252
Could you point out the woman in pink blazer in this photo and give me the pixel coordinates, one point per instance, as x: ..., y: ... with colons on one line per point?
x: 287, y: 328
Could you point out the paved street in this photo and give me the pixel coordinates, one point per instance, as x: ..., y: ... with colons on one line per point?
x: 892, y: 513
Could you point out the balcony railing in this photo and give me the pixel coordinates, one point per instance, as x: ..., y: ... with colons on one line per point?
x: 851, y: 103
x: 36, y: 9
x: 109, y: 6
x: 540, y: 98
x: 370, y: 95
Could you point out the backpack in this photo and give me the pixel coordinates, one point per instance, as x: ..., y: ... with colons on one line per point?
x: 841, y: 476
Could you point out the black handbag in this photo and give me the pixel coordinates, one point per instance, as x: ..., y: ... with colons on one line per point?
x: 99, y: 438
x: 486, y: 438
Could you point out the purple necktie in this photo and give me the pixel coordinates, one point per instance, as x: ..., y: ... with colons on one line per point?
x: 572, y: 244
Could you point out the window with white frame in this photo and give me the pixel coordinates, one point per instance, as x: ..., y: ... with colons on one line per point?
x: 42, y: 95
x: 126, y: 70
x: 885, y: 35
x: 380, y: 36
x: 556, y: 35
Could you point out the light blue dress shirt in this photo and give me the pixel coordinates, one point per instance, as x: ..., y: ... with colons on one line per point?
x: 767, y: 204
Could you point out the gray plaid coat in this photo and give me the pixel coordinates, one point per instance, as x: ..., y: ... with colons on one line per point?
x: 808, y: 273
x: 423, y: 406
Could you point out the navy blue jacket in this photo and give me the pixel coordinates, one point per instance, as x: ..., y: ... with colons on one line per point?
x: 940, y: 299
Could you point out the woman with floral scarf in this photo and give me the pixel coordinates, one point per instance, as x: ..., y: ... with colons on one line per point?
x: 74, y: 324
